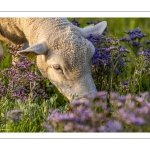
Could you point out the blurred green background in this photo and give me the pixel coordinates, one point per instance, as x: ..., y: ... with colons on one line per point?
x: 116, y: 26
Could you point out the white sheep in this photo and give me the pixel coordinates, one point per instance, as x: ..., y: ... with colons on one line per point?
x: 63, y: 53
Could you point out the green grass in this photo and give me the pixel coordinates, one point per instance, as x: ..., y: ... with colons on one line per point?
x: 35, y: 113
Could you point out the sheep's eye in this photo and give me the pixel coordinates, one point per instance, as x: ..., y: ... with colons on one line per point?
x: 56, y: 67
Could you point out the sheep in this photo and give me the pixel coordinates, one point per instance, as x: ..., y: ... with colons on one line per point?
x: 63, y: 52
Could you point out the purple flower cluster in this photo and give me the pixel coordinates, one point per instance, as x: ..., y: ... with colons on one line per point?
x: 106, y: 49
x: 14, y: 115
x: 146, y: 54
x: 109, y: 58
x: 147, y: 42
x: 136, y: 34
x: 134, y: 39
x: 76, y: 22
x: 91, y: 115
x: 22, y: 80
x: 132, y: 109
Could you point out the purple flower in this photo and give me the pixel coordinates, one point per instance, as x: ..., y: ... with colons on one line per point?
x: 125, y: 39
x: 137, y: 30
x: 83, y: 117
x: 14, y: 115
x: 22, y: 79
x: 117, y: 71
x: 139, y: 121
x: 114, y: 126
x: 84, y: 102
x: 76, y: 22
x: 69, y: 127
x: 48, y: 127
x: 134, y: 37
x: 147, y: 42
x: 96, y: 58
x: 136, y: 44
x: 142, y: 111
x: 123, y: 49
x: 94, y: 39
x: 125, y: 83
x: 92, y: 22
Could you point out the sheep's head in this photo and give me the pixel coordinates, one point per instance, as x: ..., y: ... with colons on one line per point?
x: 66, y: 60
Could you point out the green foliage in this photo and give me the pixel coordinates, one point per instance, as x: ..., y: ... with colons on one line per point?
x: 6, y: 63
x: 34, y: 114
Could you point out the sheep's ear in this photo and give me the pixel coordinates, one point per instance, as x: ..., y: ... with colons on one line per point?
x: 95, y: 30
x: 36, y: 49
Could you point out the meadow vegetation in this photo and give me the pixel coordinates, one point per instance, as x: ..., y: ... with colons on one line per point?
x: 121, y: 72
